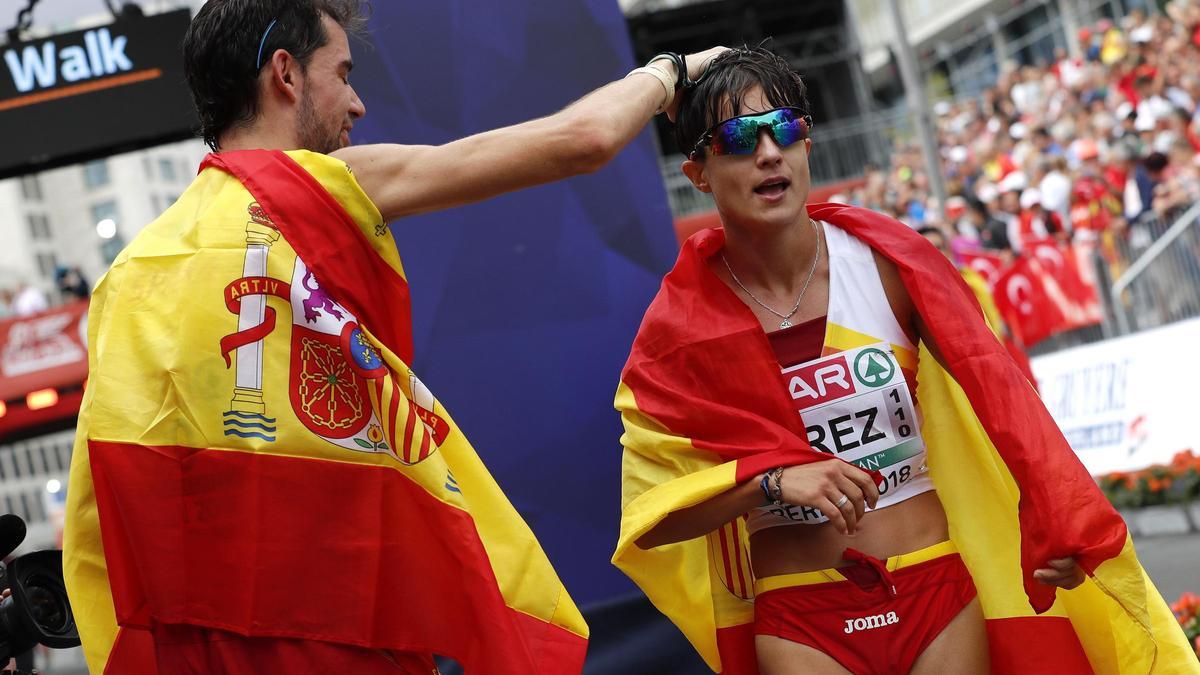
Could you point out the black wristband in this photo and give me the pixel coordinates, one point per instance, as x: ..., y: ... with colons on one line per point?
x: 681, y: 73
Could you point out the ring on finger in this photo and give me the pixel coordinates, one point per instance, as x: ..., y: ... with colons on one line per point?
x: 842, y: 502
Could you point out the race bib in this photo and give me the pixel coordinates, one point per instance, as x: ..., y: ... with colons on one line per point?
x: 856, y: 405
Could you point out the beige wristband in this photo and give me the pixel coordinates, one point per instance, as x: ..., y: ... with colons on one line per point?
x: 664, y: 78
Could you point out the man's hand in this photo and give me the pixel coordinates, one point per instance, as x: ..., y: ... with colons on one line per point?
x: 1063, y: 573
x: 696, y: 64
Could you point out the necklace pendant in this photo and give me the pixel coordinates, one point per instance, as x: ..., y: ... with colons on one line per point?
x: 786, y: 324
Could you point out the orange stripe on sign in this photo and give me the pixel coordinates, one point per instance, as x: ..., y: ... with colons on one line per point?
x: 85, y: 88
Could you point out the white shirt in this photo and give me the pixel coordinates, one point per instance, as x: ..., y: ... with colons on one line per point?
x: 30, y: 300
x: 1056, y: 194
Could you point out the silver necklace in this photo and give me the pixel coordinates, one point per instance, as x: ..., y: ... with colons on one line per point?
x: 787, y: 323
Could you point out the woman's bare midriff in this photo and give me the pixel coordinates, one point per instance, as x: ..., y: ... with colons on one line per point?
x: 901, y: 528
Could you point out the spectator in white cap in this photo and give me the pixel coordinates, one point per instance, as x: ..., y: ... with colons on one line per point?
x: 1014, y: 182
x: 1142, y: 35
x: 1036, y: 223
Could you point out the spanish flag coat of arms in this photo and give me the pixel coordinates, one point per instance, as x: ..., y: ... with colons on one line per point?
x: 255, y: 456
x: 701, y: 416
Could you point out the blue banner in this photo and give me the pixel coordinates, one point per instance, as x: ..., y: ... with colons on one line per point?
x: 525, y: 306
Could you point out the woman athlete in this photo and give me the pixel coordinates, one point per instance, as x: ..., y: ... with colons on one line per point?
x: 850, y: 575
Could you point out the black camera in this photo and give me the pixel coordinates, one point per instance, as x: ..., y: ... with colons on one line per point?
x: 37, y: 611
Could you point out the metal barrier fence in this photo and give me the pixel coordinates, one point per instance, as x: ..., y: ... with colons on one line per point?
x: 1149, y: 276
x: 685, y: 199
x: 1161, y: 285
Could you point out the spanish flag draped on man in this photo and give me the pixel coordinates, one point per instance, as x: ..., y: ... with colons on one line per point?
x: 255, y: 457
x: 697, y: 422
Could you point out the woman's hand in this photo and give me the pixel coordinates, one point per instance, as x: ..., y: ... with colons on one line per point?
x: 823, y: 485
x: 1063, y: 573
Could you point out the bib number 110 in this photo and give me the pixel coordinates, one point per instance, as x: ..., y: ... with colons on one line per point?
x: 903, y: 428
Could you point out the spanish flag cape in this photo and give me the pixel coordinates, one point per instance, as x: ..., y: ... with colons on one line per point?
x: 255, y: 456
x: 702, y: 413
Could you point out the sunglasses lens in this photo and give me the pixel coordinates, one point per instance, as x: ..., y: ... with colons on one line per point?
x: 787, y: 128
x: 739, y: 135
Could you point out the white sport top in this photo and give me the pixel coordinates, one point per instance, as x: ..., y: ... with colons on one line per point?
x: 855, y: 400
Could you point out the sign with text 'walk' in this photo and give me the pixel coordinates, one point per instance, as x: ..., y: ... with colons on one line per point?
x: 75, y: 96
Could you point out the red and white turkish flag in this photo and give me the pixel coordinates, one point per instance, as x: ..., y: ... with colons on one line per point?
x: 1070, y: 281
x: 1022, y: 298
x: 989, y: 265
x: 1050, y: 288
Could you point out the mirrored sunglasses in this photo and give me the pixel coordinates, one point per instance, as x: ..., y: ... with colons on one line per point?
x: 739, y: 135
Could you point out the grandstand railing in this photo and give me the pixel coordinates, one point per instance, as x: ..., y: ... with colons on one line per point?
x: 1162, y: 283
x: 684, y: 198
x: 1148, y: 277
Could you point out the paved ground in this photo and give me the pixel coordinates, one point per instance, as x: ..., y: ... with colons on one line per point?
x: 1173, y: 562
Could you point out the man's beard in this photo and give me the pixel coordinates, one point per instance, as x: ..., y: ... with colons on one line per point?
x: 313, y: 136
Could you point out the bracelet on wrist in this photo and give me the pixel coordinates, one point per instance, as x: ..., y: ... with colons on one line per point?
x: 765, y: 486
x: 777, y: 485
x: 681, y: 71
x: 664, y: 79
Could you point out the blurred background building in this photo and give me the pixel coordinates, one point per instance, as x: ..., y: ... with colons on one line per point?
x: 79, y: 217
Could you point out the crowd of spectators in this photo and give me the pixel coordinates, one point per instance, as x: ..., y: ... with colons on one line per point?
x: 1091, y: 149
x: 1084, y: 149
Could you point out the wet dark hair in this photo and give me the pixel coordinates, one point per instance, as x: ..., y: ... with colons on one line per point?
x: 222, y: 43
x: 726, y: 82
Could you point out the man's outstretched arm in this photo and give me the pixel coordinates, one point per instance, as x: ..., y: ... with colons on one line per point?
x: 405, y: 180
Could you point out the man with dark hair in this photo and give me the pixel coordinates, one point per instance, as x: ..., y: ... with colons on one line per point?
x: 885, y: 528
x: 223, y: 58
x: 260, y: 481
